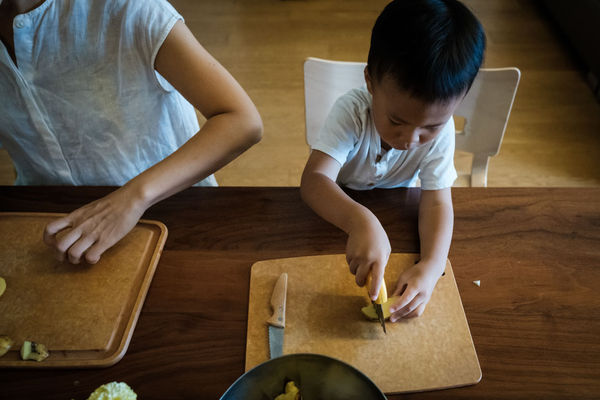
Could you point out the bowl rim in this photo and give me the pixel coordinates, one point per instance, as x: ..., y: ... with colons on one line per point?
x: 314, y: 355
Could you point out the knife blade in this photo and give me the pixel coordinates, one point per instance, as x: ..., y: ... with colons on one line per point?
x: 377, y: 304
x: 277, y: 320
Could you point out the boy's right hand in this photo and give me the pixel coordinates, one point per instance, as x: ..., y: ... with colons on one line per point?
x: 367, y: 252
x: 368, y: 247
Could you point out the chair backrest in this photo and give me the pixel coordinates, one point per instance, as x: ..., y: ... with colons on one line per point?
x: 324, y: 82
x: 486, y: 107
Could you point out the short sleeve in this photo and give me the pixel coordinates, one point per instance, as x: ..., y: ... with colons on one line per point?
x: 437, y: 168
x: 341, y: 129
x: 150, y: 22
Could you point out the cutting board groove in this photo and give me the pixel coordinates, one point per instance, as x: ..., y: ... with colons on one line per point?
x: 85, y: 314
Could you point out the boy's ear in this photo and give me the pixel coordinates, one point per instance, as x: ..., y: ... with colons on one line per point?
x: 368, y: 80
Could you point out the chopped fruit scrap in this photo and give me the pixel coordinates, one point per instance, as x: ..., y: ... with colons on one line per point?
x: 33, y: 351
x: 113, y: 391
x: 291, y: 392
x: 2, y: 285
x: 478, y: 283
x: 5, y: 344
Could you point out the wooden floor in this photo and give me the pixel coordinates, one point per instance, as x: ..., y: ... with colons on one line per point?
x: 553, y: 136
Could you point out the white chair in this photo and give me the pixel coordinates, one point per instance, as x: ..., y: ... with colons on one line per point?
x: 485, y: 109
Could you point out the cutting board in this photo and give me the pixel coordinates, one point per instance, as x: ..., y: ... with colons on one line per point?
x: 85, y: 314
x: 433, y: 351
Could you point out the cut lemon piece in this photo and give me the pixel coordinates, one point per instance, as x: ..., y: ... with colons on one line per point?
x: 369, y: 311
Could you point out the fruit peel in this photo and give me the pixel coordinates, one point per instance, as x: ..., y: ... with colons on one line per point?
x: 113, y: 391
x: 33, y: 351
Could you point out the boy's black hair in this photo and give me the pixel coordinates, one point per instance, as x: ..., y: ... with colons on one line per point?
x: 431, y: 48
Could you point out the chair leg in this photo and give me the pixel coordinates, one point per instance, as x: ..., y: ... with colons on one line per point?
x: 479, y: 170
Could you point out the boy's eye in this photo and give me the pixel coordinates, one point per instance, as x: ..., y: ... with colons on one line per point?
x: 395, y: 122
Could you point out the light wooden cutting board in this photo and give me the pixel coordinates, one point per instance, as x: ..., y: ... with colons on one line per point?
x: 323, y: 316
x: 85, y: 314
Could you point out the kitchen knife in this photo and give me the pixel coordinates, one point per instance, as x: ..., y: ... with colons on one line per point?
x: 381, y: 298
x: 277, y: 321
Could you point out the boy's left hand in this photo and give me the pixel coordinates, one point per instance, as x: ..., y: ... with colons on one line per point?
x: 414, y: 287
x: 86, y: 233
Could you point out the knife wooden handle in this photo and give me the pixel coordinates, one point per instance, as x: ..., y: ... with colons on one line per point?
x: 278, y: 302
x: 382, y: 297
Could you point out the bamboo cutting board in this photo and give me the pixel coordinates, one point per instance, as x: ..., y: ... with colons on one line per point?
x: 84, y: 314
x: 323, y: 316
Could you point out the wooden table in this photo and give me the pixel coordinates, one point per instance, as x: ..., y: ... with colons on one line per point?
x: 535, y: 320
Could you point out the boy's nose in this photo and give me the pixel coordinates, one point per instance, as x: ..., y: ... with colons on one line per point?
x: 410, y: 138
x: 413, y: 136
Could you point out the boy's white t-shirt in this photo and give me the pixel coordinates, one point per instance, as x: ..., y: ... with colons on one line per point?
x: 84, y: 105
x: 350, y: 137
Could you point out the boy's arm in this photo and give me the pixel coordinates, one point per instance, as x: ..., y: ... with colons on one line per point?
x: 436, y: 220
x: 233, y: 125
x: 368, y: 247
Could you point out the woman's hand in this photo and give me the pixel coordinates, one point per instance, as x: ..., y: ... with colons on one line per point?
x: 86, y: 233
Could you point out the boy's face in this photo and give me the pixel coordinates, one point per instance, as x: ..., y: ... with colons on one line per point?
x: 402, y: 121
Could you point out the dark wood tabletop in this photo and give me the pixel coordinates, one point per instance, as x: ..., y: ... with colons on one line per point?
x: 535, y: 320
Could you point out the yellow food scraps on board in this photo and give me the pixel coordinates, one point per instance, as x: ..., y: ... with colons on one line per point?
x: 5, y: 344
x: 291, y: 392
x: 113, y: 391
x: 34, y: 351
x: 2, y: 285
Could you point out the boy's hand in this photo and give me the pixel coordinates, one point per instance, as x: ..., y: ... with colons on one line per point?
x: 367, y: 252
x: 86, y: 233
x: 414, y: 287
x: 368, y: 247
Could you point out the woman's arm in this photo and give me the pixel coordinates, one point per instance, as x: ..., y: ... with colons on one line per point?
x: 233, y: 125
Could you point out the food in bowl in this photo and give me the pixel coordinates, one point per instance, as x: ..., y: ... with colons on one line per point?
x: 291, y: 392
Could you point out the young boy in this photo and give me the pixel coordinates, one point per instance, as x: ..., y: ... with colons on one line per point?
x: 423, y: 59
x: 102, y: 92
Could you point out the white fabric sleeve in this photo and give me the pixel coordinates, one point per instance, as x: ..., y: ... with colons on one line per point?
x: 151, y: 22
x: 339, y: 133
x: 437, y: 168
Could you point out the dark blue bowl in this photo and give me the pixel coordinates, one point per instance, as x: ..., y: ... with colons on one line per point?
x: 317, y: 376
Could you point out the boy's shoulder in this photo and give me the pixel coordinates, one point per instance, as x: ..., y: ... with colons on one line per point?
x: 357, y: 99
x: 355, y: 106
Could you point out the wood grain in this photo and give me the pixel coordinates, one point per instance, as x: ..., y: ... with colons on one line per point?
x: 535, y: 320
